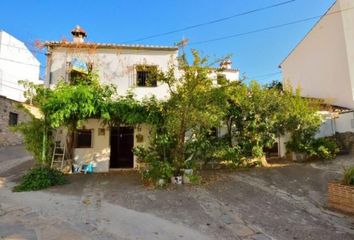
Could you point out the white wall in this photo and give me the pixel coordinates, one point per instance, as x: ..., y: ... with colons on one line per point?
x: 348, y: 24
x: 116, y: 67
x: 319, y: 64
x: 345, y: 122
x: 327, y: 127
x: 16, y: 63
x: 100, y: 151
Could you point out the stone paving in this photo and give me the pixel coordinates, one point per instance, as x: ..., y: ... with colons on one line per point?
x: 287, y: 202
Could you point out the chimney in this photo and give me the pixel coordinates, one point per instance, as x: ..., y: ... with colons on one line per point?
x: 78, y: 34
x: 226, y: 64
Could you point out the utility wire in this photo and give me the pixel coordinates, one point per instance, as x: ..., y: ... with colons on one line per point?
x: 265, y: 75
x: 211, y: 22
x: 268, y: 28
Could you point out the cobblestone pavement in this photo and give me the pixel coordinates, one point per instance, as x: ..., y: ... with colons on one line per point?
x: 286, y: 202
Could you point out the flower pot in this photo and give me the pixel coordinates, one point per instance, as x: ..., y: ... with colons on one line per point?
x: 161, y: 182
x: 176, y: 180
x: 186, y: 174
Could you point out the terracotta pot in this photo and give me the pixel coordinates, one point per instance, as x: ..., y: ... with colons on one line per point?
x: 186, y: 174
x: 176, y: 180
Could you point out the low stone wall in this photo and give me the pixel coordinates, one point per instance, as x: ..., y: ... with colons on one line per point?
x: 346, y: 141
x: 341, y: 197
x: 7, y: 137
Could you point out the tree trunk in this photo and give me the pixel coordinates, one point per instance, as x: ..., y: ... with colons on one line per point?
x: 229, y: 131
x: 70, y: 141
x: 180, y: 146
x: 44, y: 145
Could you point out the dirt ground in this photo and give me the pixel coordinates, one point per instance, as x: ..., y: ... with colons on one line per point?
x: 283, y: 202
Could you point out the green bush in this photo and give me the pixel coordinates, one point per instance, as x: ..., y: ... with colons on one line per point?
x: 32, y: 133
x: 321, y: 148
x: 156, y: 167
x: 39, y: 178
x: 324, y: 148
x: 349, y: 176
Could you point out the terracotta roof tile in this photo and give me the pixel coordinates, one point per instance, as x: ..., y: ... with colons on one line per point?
x: 107, y: 45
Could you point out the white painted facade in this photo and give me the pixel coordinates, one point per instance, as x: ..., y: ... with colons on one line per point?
x: 115, y: 64
x: 100, y: 151
x: 322, y: 64
x: 16, y: 63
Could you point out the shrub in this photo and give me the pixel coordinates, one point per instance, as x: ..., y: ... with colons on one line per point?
x: 32, y: 133
x: 158, y: 170
x: 349, y: 176
x: 156, y: 167
x: 321, y: 148
x: 39, y: 178
x: 324, y: 148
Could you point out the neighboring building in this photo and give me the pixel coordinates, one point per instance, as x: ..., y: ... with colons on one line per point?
x: 128, y: 68
x: 16, y: 63
x: 10, y: 116
x: 322, y: 64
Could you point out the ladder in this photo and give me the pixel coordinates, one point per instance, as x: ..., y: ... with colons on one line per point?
x: 58, y: 156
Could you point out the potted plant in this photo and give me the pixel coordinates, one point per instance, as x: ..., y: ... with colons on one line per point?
x: 165, y: 172
x: 176, y: 178
x: 341, y: 194
x: 188, y: 170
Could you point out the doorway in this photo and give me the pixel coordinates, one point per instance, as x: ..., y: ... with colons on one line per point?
x: 122, y: 143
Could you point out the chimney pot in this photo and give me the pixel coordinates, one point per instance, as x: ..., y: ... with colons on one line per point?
x: 79, y: 34
x: 226, y: 64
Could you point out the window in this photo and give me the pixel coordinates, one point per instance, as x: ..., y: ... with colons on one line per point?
x: 146, y: 76
x: 221, y: 79
x: 13, y: 118
x: 83, y: 138
x: 213, y: 132
x: 75, y: 76
x: 79, y: 70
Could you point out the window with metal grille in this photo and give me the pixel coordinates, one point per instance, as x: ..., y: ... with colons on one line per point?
x: 13, y: 118
x: 83, y: 138
x: 146, y: 76
x: 221, y: 79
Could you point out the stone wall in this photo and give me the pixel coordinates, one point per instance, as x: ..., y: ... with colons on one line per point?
x: 346, y: 141
x: 7, y: 137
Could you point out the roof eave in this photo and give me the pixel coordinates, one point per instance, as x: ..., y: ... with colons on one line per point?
x: 109, y: 46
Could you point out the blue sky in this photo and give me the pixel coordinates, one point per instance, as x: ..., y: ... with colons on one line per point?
x: 257, y: 55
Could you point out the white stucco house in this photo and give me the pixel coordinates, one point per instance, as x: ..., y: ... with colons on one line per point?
x: 322, y: 66
x: 127, y: 67
x: 16, y: 63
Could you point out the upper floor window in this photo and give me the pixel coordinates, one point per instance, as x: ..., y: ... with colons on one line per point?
x: 221, y: 79
x: 78, y: 70
x: 13, y: 119
x: 146, y: 76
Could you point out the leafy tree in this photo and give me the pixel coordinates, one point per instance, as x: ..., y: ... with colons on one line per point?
x: 257, y: 114
x: 195, y: 105
x: 70, y: 103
